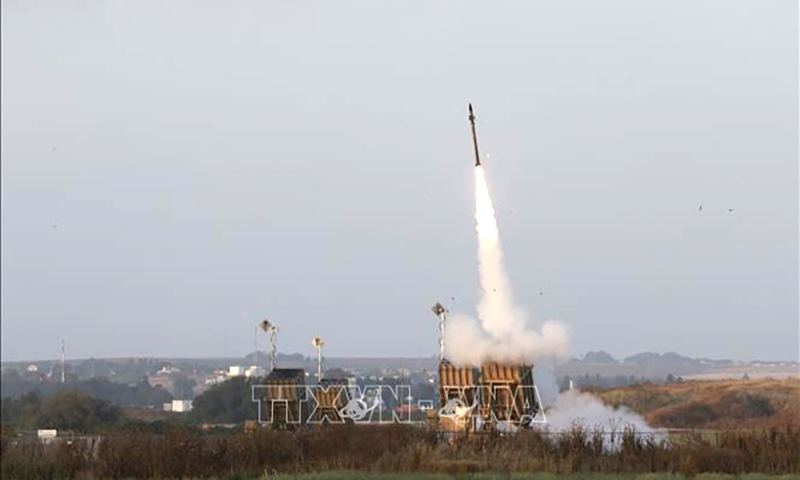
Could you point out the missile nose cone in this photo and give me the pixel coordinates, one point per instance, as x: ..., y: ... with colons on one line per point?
x: 474, y: 136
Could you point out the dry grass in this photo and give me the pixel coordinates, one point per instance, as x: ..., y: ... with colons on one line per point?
x: 399, y: 449
x: 718, y: 404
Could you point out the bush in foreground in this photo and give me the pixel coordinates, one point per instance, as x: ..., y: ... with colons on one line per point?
x: 188, y: 453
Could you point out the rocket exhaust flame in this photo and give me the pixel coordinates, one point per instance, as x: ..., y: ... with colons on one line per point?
x: 496, y: 308
x: 502, y: 334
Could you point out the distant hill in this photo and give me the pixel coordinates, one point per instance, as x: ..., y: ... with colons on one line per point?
x: 651, y: 358
x: 598, y: 357
x: 711, y: 404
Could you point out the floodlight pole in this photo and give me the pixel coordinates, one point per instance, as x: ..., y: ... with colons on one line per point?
x: 319, y: 364
x: 255, y: 346
x: 441, y: 314
x: 273, y: 331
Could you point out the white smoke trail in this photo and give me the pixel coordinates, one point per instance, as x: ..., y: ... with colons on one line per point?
x: 503, y: 334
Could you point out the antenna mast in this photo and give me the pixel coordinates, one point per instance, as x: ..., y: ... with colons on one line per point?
x: 63, y: 361
x: 318, y: 343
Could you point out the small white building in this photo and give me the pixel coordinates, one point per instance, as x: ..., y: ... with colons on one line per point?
x: 181, y: 405
x: 251, y: 371
x: 47, y: 435
x: 254, y: 371
x: 167, y: 369
x: 218, y: 377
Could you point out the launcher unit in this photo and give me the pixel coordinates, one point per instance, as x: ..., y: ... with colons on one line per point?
x: 479, y: 399
x: 331, y: 397
x: 285, y: 402
x: 507, y: 394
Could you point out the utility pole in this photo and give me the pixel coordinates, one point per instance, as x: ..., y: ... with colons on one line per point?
x: 63, y: 361
x: 317, y: 342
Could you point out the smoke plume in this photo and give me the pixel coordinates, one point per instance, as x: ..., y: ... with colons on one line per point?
x: 567, y: 409
x: 578, y: 408
x: 502, y: 334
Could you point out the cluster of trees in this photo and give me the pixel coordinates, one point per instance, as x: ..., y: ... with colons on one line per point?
x: 95, y: 403
x: 66, y: 410
x: 230, y: 401
x: 140, y: 394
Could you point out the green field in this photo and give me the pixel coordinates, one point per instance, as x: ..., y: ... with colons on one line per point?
x: 521, y: 476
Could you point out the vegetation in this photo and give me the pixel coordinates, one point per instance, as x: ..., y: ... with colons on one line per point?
x: 402, y: 449
x: 230, y: 401
x: 67, y: 410
x: 720, y: 404
x: 140, y: 393
x: 354, y: 475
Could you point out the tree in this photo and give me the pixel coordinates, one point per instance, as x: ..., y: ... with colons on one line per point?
x: 228, y: 402
x: 71, y: 410
x: 184, y: 386
x: 22, y: 412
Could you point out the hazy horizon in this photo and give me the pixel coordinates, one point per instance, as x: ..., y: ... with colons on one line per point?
x: 310, y: 357
x: 172, y: 173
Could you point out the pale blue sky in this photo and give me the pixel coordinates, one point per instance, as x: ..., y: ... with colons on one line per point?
x: 207, y: 164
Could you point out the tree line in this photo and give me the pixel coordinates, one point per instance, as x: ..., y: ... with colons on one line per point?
x: 138, y: 394
x: 66, y: 410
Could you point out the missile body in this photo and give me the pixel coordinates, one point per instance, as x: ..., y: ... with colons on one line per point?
x: 474, y: 137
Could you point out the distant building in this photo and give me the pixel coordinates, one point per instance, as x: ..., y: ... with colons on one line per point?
x: 33, y: 367
x: 181, y: 405
x: 406, y: 409
x: 239, y: 371
x: 219, y: 376
x: 167, y: 369
x: 163, y: 381
x: 47, y: 435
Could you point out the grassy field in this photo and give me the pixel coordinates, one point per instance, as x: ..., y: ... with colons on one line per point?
x: 360, y: 452
x: 720, y: 404
x: 399, y: 451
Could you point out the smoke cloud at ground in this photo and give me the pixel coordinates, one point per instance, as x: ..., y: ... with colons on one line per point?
x: 566, y: 409
x: 574, y: 407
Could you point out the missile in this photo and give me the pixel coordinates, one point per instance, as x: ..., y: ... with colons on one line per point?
x: 474, y: 137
